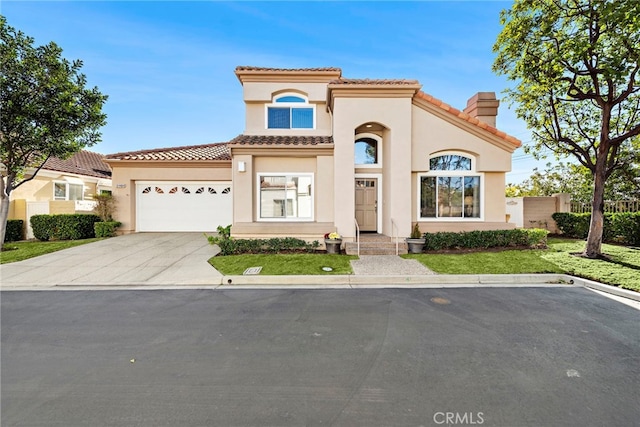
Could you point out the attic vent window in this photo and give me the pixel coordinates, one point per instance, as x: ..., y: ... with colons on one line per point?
x: 290, y: 112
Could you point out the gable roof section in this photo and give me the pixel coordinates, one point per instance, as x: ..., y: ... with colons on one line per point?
x: 82, y: 163
x: 457, y: 115
x: 205, y: 152
x: 280, y: 140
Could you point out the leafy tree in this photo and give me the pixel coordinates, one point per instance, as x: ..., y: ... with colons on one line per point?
x: 575, y: 179
x: 46, y: 110
x: 575, y: 67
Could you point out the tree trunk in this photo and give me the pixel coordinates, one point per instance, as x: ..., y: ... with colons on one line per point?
x: 4, y: 214
x: 593, y: 249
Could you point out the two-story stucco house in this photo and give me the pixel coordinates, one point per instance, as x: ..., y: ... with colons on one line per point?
x: 323, y: 153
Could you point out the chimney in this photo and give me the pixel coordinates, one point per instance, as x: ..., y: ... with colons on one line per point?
x: 483, y: 106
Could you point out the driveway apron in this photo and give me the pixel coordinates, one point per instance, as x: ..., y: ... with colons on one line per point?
x: 140, y: 258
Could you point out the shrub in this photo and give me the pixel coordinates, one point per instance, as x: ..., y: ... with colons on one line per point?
x: 623, y: 227
x: 42, y: 226
x: 533, y: 238
x: 105, y: 206
x: 64, y: 227
x: 229, y: 246
x: 15, y: 230
x: 106, y: 228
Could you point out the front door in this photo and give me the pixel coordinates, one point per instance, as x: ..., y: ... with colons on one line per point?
x: 367, y: 204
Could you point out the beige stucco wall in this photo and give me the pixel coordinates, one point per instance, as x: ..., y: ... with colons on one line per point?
x: 257, y: 95
x: 395, y: 115
x: 125, y: 175
x: 432, y: 134
x: 537, y: 212
x: 246, y: 204
x: 40, y: 189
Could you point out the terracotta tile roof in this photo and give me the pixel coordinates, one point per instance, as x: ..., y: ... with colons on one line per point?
x: 82, y: 163
x: 294, y: 70
x: 464, y: 116
x: 375, y: 82
x: 280, y: 140
x: 216, y: 151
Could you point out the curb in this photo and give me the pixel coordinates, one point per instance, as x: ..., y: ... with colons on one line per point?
x: 396, y: 281
x: 625, y: 293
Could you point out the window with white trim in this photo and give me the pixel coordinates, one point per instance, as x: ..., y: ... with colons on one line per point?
x: 67, y: 191
x: 451, y: 189
x: 286, y: 197
x: 290, y: 111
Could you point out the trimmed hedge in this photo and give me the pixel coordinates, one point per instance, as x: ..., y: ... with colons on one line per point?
x: 229, y: 246
x: 621, y: 227
x: 530, y: 237
x: 64, y: 227
x: 106, y: 228
x: 15, y: 230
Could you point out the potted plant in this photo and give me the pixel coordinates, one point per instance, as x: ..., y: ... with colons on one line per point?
x: 416, y: 241
x: 332, y: 242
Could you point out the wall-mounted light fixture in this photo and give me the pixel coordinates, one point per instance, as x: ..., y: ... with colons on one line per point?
x: 242, y: 166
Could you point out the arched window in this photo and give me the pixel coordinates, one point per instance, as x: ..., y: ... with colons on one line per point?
x: 368, y: 149
x: 290, y: 111
x: 451, y: 189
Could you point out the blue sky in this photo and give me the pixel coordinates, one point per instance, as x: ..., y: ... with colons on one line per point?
x: 168, y: 67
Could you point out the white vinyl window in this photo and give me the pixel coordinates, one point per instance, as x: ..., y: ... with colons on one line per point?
x: 286, y: 197
x: 67, y: 191
x: 290, y: 111
x: 451, y: 190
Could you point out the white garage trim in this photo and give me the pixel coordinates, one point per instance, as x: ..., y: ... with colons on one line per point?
x: 183, y: 205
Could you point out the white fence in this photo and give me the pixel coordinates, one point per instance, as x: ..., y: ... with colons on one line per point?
x: 609, y: 206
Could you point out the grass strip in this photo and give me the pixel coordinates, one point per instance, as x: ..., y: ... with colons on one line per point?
x: 503, y: 262
x: 19, y: 251
x: 284, y: 264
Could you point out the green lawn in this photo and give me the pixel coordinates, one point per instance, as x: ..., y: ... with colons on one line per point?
x: 623, y: 268
x: 504, y: 262
x: 18, y: 251
x: 292, y: 264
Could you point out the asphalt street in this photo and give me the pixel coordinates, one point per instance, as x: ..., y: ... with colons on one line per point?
x: 552, y: 356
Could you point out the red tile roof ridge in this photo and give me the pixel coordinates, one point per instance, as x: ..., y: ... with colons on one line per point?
x: 252, y: 68
x: 204, y: 152
x: 243, y: 139
x: 367, y: 81
x: 165, y: 149
x: 464, y: 116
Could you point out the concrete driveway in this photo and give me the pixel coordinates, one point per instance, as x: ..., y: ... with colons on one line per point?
x: 141, y: 258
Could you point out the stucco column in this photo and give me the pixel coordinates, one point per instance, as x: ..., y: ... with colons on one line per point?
x: 398, y: 191
x: 344, y: 181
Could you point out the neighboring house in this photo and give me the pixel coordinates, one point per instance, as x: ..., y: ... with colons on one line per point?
x: 61, y: 186
x: 320, y: 152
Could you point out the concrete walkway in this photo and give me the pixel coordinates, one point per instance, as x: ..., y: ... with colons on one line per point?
x: 380, y: 265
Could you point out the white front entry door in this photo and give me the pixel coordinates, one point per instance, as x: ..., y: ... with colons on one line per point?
x: 183, y: 205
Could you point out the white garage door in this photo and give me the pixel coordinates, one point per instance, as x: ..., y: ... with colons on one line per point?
x: 183, y: 206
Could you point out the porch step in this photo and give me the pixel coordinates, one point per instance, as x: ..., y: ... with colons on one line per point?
x: 375, y: 246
